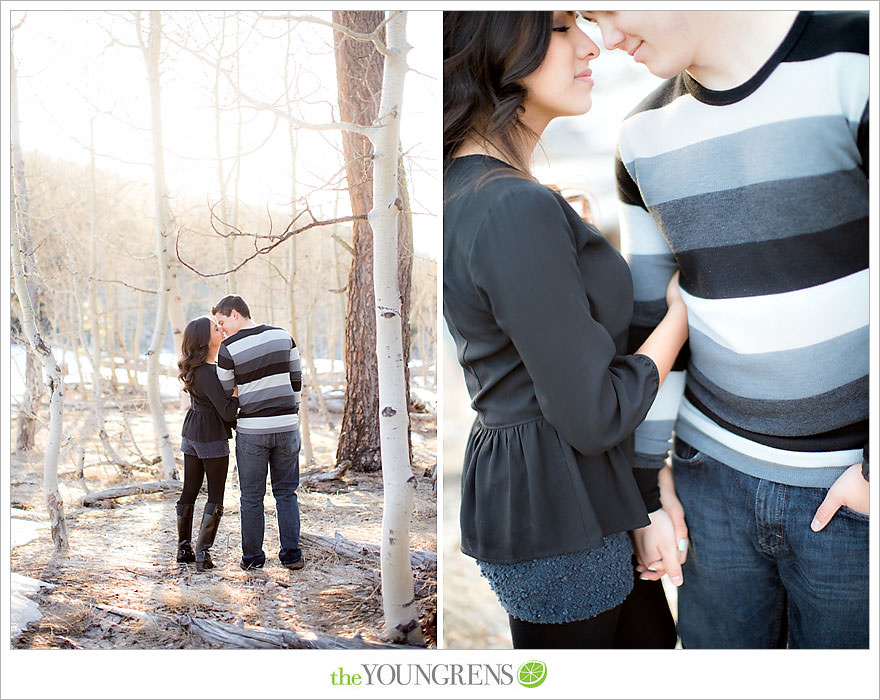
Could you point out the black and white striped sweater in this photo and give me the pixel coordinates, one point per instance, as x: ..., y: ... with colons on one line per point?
x: 264, y: 362
x: 759, y: 195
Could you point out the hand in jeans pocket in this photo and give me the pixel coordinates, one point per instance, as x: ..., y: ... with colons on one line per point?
x: 850, y: 490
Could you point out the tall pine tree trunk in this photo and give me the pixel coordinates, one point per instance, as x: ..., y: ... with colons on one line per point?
x: 359, y: 85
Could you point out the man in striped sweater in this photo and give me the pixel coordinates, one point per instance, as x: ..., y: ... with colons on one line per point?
x: 747, y: 170
x: 263, y: 361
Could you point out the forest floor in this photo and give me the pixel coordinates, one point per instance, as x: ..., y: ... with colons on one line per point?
x: 123, y: 554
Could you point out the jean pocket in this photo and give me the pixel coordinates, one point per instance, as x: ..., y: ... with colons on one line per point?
x: 287, y: 444
x: 848, y: 512
x: 250, y: 447
x: 685, y: 454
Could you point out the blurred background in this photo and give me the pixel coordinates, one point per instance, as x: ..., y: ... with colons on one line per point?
x: 577, y: 156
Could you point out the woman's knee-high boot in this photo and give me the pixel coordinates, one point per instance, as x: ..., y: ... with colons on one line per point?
x: 207, y: 533
x: 184, y: 532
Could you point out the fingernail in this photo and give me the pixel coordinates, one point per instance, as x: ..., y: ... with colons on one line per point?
x: 682, y: 544
x: 652, y: 568
x: 677, y: 580
x: 644, y: 578
x: 815, y: 525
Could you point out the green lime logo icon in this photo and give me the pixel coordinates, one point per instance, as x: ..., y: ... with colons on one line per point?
x: 531, y: 674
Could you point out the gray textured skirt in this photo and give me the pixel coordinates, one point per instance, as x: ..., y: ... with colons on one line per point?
x: 565, y: 587
x: 204, y: 450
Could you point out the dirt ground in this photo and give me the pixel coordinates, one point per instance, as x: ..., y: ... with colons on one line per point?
x: 122, y: 555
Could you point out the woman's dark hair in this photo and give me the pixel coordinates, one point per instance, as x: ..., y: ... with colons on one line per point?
x: 485, y: 57
x: 193, y: 349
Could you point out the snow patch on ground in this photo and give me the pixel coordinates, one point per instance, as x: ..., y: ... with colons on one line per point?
x: 24, y: 530
x: 23, y: 609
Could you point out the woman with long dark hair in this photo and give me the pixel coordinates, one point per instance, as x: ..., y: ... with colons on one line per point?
x: 539, y: 305
x: 204, y: 438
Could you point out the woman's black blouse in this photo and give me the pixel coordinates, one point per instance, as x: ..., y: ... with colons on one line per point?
x: 212, y: 414
x: 539, y: 304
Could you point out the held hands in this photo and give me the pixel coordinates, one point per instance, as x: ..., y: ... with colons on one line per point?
x: 850, y: 490
x: 655, y: 548
x: 674, y: 510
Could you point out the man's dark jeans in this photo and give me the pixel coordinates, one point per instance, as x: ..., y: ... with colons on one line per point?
x: 756, y: 575
x: 279, y: 454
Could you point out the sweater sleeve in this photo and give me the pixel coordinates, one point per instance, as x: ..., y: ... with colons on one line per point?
x: 524, y: 260
x: 862, y: 139
x: 866, y: 466
x: 295, y: 373
x: 210, y: 386
x: 652, y: 265
x: 226, y: 369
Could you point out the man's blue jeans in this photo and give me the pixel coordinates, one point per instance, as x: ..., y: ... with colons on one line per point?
x: 756, y: 575
x: 279, y: 453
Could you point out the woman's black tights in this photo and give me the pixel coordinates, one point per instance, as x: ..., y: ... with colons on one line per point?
x: 595, y: 633
x: 194, y: 471
x: 642, y: 621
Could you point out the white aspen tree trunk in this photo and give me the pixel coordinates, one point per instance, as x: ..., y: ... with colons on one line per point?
x: 401, y: 611
x: 22, y: 234
x: 151, y: 56
x: 27, y: 418
x: 218, y: 147
x: 136, y: 343
x: 175, y: 303
x: 115, y: 340
x: 178, y: 322
x: 92, y: 293
x: 338, y: 299
x: 229, y: 249
x: 314, y: 379
x: 304, y: 425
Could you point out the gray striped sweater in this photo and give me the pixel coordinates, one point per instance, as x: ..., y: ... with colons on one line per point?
x: 759, y: 195
x: 264, y: 362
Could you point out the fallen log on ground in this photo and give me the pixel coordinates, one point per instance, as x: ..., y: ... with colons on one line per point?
x: 422, y: 417
x: 326, y: 476
x: 241, y: 637
x: 420, y: 558
x: 91, y: 499
x: 268, y: 638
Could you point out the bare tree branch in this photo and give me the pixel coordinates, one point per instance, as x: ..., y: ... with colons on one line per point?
x: 124, y: 284
x: 275, y: 239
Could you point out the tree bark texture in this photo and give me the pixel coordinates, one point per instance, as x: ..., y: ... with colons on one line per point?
x: 27, y: 422
x: 359, y: 81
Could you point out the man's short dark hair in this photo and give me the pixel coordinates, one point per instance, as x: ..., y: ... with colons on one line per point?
x: 227, y: 304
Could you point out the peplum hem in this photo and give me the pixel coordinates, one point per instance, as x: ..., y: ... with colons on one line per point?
x: 527, y: 494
